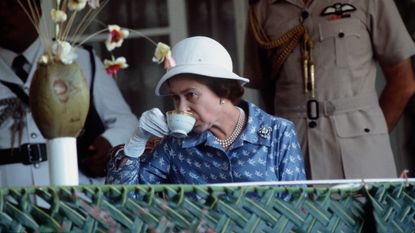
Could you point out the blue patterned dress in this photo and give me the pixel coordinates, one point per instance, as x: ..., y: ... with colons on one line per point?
x: 267, y: 150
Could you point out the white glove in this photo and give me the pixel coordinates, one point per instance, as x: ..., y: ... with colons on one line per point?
x: 151, y: 123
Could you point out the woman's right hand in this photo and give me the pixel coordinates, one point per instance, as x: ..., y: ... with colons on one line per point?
x: 151, y: 123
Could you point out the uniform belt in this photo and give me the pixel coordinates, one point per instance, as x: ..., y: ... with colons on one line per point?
x: 26, y: 154
x: 331, y: 107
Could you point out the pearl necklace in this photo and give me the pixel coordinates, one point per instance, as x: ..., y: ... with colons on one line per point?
x: 225, y: 143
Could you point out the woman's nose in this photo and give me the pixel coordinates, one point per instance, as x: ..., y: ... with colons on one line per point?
x: 182, y: 106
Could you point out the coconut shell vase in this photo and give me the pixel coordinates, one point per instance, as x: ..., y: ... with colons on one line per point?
x: 59, y: 101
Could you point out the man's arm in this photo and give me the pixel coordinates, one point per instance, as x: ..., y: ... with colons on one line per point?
x: 400, y: 86
x: 114, y: 113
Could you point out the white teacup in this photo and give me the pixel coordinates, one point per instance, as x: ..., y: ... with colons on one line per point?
x: 180, y: 123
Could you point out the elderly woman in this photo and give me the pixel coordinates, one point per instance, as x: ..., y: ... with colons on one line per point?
x: 231, y: 141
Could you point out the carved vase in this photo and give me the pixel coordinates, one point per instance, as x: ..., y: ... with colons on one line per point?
x: 59, y: 102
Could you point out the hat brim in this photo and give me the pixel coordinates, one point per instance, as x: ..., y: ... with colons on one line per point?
x: 200, y: 69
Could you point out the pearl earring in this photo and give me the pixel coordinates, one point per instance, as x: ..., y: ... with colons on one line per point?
x: 222, y: 101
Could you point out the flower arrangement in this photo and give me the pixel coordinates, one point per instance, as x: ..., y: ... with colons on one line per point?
x: 59, y: 96
x: 60, y: 45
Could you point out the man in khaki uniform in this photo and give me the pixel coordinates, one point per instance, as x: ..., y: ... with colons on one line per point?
x: 320, y: 57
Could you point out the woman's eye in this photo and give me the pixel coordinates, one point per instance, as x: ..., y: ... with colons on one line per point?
x: 191, y: 95
x: 175, y: 98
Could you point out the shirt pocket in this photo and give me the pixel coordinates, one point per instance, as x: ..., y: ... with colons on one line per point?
x: 359, y: 123
x: 337, y: 36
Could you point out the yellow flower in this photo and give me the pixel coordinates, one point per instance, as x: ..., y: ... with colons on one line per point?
x: 115, y: 37
x: 162, y: 51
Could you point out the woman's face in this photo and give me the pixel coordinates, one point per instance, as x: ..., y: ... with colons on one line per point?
x: 195, y: 97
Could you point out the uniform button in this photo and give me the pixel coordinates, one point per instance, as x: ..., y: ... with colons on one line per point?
x: 304, y: 14
x: 33, y: 135
x: 367, y: 130
x: 341, y: 34
x: 312, y: 124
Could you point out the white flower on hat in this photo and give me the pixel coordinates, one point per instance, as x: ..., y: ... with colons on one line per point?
x: 163, y: 53
x: 162, y: 50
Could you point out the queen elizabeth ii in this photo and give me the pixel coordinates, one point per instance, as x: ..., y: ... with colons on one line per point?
x: 232, y: 140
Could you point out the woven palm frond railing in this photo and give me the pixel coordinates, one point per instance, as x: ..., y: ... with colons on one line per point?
x: 393, y: 207
x: 378, y: 207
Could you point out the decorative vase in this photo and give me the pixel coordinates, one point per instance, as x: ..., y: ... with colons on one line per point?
x: 59, y: 99
x: 59, y: 102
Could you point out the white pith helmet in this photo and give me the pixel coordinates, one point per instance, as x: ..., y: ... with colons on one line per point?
x: 199, y: 55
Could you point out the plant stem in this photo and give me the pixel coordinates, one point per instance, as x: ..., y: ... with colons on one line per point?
x: 57, y: 25
x: 92, y: 35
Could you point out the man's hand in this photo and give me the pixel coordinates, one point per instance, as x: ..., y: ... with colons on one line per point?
x: 400, y: 86
x: 96, y: 164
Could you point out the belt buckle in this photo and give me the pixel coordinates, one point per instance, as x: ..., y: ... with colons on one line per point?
x: 313, y: 109
x: 34, y: 154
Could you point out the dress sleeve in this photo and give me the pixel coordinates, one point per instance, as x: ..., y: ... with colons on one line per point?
x: 291, y: 164
x: 150, y: 168
x: 122, y: 169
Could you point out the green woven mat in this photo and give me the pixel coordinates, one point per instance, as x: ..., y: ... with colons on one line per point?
x: 184, y: 208
x: 393, y: 207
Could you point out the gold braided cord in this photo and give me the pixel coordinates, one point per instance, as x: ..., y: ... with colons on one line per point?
x: 259, y: 34
x: 262, y: 38
x: 289, y: 40
x: 280, y: 58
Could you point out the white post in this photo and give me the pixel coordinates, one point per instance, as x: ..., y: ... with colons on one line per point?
x: 63, y: 161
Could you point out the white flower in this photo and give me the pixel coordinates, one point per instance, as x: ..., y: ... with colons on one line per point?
x: 115, y: 37
x: 64, y: 52
x: 76, y: 5
x: 58, y: 16
x: 44, y: 59
x: 162, y: 51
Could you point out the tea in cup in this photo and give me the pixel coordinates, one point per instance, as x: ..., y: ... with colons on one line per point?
x: 180, y: 123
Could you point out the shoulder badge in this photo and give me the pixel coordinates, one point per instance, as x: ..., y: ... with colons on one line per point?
x: 338, y: 10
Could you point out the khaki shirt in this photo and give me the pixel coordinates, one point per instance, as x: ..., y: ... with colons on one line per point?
x: 350, y: 137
